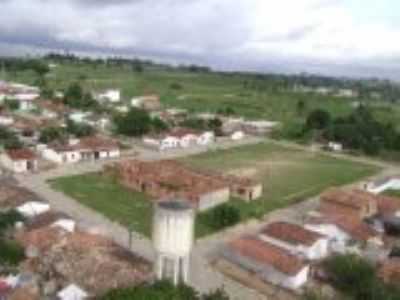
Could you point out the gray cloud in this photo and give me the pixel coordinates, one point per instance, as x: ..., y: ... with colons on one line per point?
x: 244, y: 34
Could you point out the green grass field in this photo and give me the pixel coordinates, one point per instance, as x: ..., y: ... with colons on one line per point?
x: 288, y: 176
x: 102, y: 194
x: 203, y: 92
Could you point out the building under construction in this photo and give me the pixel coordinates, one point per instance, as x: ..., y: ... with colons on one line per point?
x: 170, y: 179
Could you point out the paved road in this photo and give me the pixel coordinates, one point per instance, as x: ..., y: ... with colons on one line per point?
x: 202, y: 276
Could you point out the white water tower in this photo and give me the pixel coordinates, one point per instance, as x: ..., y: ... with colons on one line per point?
x: 173, y: 236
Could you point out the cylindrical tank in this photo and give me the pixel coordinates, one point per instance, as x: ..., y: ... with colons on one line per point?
x: 173, y: 228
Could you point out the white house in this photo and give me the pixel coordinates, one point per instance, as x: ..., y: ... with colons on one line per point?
x: 19, y: 160
x: 61, y: 154
x: 66, y: 224
x: 237, y: 135
x: 6, y: 120
x: 79, y: 116
x: 206, y: 138
x: 377, y: 187
x: 112, y: 96
x: 336, y: 147
x: 85, y: 149
x: 270, y: 263
x: 296, y: 239
x: 33, y: 208
x: 72, y: 292
x: 344, y: 233
x: 179, y: 138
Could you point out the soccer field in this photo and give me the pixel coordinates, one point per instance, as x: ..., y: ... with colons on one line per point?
x: 288, y: 176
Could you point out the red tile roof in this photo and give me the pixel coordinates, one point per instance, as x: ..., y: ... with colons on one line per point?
x: 356, y: 228
x: 266, y: 253
x: 388, y: 205
x: 98, y: 143
x: 390, y: 271
x: 21, y: 154
x: 291, y: 233
x: 353, y: 199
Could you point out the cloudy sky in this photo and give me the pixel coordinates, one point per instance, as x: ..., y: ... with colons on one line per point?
x: 334, y: 37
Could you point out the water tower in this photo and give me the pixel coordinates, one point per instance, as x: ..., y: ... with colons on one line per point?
x: 173, y: 236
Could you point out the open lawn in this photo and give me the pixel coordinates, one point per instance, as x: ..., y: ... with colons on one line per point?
x: 288, y: 176
x: 103, y: 194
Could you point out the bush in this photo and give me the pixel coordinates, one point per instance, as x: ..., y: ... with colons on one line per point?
x: 176, y: 86
x: 11, y: 253
x: 222, y: 216
x: 50, y: 134
x: 136, y: 122
x: 8, y: 219
x: 162, y: 290
x: 79, y: 130
x: 318, y: 119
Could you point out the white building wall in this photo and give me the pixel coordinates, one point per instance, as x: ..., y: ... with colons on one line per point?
x: 392, y: 184
x: 114, y: 153
x: 337, y: 239
x: 316, y: 251
x: 19, y: 166
x: 269, y: 273
x: 61, y: 157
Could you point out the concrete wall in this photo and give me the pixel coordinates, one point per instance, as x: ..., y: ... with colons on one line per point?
x: 316, y: 251
x: 213, y: 199
x: 392, y: 184
x: 61, y: 157
x: 337, y: 239
x: 18, y: 166
x: 267, y: 272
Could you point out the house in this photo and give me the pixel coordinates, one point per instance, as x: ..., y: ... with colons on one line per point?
x: 62, y: 153
x: 271, y: 263
x: 51, y: 109
x: 93, y: 261
x: 19, y: 160
x: 258, y: 127
x: 346, y: 93
x: 179, y: 138
x: 112, y: 96
x: 84, y: 149
x: 78, y: 116
x: 335, y: 147
x: 356, y: 203
x: 170, y: 179
x: 148, y: 102
x: 382, y: 185
x: 33, y: 208
x: 296, y: 239
x: 237, y: 135
x: 72, y: 292
x: 6, y: 119
x: 96, y: 147
x: 345, y: 233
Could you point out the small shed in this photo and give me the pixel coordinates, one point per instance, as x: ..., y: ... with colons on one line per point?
x: 72, y: 292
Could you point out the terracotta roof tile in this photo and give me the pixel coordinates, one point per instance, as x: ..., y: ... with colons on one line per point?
x: 266, y: 253
x: 291, y: 233
x: 21, y: 154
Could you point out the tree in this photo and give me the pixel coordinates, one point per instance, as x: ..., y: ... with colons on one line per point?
x: 136, y: 122
x: 318, y: 119
x: 162, y: 290
x: 11, y: 104
x: 75, y: 97
x: 222, y: 216
x: 50, y: 134
x: 79, y: 130
x: 300, y: 107
x: 158, y: 125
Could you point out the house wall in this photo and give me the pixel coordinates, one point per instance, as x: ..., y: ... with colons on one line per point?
x: 267, y: 272
x: 316, y: 251
x: 337, y: 239
x: 19, y: 166
x: 213, y: 199
x: 392, y: 184
x: 61, y: 157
